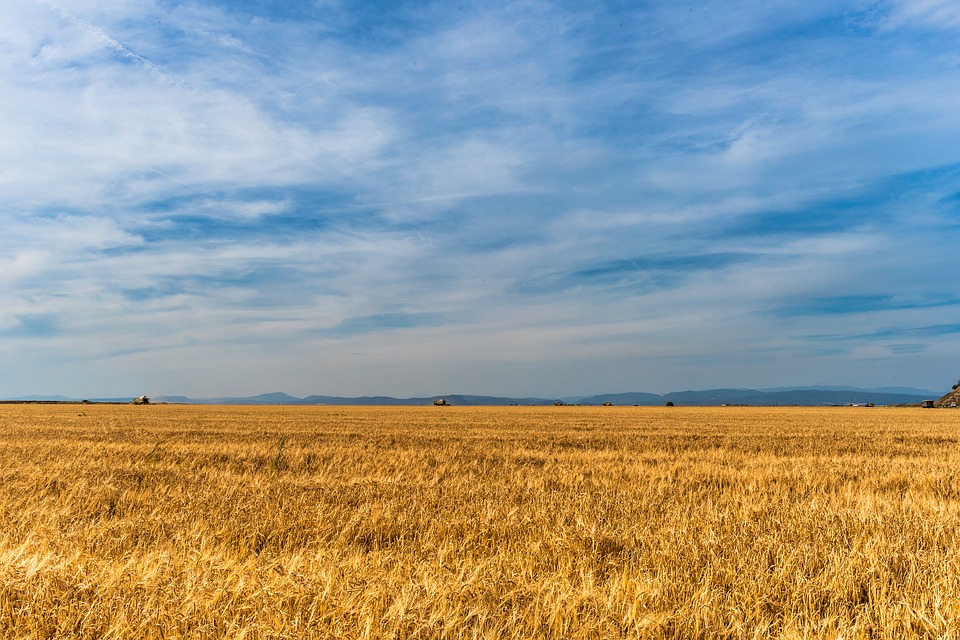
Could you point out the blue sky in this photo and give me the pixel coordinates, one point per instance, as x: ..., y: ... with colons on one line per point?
x: 512, y: 198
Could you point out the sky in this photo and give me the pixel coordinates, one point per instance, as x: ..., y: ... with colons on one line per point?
x: 525, y: 198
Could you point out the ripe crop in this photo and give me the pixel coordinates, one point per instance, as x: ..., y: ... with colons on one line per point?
x: 451, y: 522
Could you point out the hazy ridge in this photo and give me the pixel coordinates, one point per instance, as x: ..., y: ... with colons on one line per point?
x: 781, y: 396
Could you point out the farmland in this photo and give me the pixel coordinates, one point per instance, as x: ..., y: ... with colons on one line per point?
x: 450, y: 522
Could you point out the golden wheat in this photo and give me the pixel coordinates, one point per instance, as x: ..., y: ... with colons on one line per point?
x: 560, y: 522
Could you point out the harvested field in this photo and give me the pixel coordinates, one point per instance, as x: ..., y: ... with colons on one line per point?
x: 448, y: 522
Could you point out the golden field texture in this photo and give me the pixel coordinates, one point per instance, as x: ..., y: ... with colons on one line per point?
x: 450, y: 522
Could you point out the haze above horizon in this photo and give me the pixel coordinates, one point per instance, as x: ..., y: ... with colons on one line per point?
x: 520, y: 199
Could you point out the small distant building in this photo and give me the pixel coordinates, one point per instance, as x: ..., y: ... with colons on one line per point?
x: 927, y: 404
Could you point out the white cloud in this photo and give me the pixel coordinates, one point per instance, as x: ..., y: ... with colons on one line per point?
x: 936, y: 14
x: 146, y: 134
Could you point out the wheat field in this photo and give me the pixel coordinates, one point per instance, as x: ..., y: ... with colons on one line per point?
x: 171, y: 521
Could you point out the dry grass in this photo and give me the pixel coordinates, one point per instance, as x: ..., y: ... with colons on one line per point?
x: 559, y: 522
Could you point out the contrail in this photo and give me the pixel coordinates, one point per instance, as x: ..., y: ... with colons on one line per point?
x: 111, y: 42
x: 114, y: 44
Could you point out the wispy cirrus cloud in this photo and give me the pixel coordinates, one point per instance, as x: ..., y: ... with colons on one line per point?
x: 935, y: 14
x: 392, y: 198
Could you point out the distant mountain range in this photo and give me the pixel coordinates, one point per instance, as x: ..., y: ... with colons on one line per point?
x: 780, y: 396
